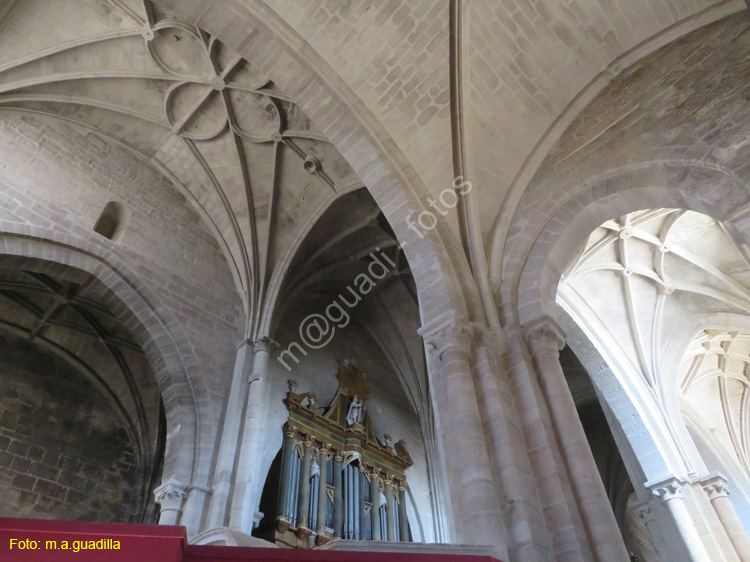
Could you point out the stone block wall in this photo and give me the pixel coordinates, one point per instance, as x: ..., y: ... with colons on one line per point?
x: 64, y: 452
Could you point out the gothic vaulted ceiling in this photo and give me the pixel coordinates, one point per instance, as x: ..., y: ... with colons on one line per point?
x: 666, y: 293
x: 240, y: 151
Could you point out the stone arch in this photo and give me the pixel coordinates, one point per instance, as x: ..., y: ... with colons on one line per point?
x: 277, y: 51
x: 578, y: 105
x: 187, y: 455
x: 632, y: 430
x: 536, y: 260
x: 542, y: 256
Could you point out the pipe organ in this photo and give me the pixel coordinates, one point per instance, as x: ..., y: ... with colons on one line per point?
x: 338, y: 479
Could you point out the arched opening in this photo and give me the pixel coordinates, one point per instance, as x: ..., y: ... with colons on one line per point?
x: 112, y: 222
x: 350, y: 273
x: 640, y: 288
x: 81, y: 415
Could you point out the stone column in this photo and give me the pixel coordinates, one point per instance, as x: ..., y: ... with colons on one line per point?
x: 222, y: 484
x: 338, y: 495
x: 717, y: 488
x: 322, y: 493
x: 192, y: 511
x: 285, y: 482
x: 545, y: 340
x: 670, y: 492
x: 303, y: 499
x: 473, y: 501
x: 169, y: 496
x: 375, y: 510
x: 248, y: 486
x: 403, y: 522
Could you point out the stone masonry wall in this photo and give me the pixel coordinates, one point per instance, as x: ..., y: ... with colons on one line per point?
x: 64, y: 452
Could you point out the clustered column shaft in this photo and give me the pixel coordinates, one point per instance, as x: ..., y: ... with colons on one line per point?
x: 670, y: 492
x: 717, y: 489
x: 545, y: 341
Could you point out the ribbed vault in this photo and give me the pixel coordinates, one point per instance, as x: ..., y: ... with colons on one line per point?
x: 715, y: 391
x: 645, y: 284
x: 242, y: 153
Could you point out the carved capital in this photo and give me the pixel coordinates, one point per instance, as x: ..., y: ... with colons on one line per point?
x: 264, y: 344
x: 716, y: 487
x: 544, y: 335
x: 667, y: 489
x: 338, y: 456
x: 170, y: 495
x: 447, y: 332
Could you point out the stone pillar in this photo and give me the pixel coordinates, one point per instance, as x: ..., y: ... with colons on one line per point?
x: 222, y: 484
x: 670, y: 492
x: 338, y: 495
x: 248, y: 485
x: 403, y: 522
x: 169, y: 496
x: 192, y: 511
x: 717, y: 488
x: 375, y: 511
x: 389, y: 519
x: 545, y: 341
x: 303, y: 499
x: 322, y: 493
x: 473, y: 501
x: 362, y: 493
x: 285, y: 482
